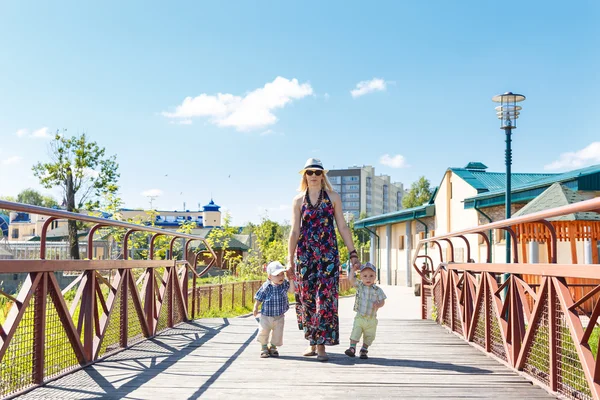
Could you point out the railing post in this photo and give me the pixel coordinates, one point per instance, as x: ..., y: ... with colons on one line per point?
x: 170, y: 292
x: 184, y: 291
x: 488, y: 314
x: 552, y: 342
x: 244, y: 294
x: 90, y: 313
x: 39, y: 329
x: 194, y: 295
x: 150, y: 301
x: 220, y: 297
x: 124, y: 306
x: 233, y: 296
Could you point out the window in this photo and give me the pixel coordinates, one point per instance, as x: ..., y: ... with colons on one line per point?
x: 401, y: 242
x: 499, y: 236
x: 15, y: 233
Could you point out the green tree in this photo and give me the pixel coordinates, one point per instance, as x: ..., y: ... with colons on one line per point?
x: 7, y: 198
x: 419, y: 193
x: 219, y: 239
x: 35, y: 198
x: 81, y: 168
x: 271, y: 240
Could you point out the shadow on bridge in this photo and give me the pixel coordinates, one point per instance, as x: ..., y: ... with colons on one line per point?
x: 126, y: 372
x: 401, y: 363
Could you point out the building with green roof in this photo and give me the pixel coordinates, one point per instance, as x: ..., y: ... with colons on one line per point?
x: 471, y: 196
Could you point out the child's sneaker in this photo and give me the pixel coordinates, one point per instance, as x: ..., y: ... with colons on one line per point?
x: 351, y: 352
x: 363, y: 354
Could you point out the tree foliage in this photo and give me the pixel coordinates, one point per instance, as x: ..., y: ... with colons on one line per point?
x: 82, y: 170
x: 7, y: 198
x: 419, y: 193
x: 219, y: 239
x: 35, y: 198
x: 359, y: 239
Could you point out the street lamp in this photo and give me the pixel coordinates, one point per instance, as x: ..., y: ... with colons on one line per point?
x: 508, y: 111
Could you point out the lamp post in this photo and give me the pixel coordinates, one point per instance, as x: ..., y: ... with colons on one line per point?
x: 508, y: 112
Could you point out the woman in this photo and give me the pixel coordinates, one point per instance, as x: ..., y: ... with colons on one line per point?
x: 316, y: 263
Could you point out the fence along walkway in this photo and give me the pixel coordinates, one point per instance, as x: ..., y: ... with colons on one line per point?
x: 115, y: 303
x: 540, y: 320
x: 219, y: 359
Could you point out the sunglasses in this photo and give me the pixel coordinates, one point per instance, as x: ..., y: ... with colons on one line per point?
x: 310, y: 172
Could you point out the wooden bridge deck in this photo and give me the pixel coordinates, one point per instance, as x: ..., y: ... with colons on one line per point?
x: 219, y: 358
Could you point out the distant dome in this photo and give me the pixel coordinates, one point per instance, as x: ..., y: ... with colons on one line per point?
x: 211, y: 206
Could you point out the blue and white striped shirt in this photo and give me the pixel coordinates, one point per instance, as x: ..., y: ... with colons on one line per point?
x: 274, y: 298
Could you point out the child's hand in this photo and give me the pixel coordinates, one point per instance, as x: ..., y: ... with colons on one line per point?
x: 378, y: 304
x: 289, y: 273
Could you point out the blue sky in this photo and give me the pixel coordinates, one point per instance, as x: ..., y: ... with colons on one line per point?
x: 285, y: 72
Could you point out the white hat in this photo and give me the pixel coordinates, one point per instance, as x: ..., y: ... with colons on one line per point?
x: 275, y: 268
x: 313, y: 163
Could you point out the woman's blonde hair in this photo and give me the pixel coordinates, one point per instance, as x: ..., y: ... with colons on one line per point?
x: 325, y: 184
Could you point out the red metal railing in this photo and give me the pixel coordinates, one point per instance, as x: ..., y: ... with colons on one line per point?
x: 113, y: 303
x: 540, y: 329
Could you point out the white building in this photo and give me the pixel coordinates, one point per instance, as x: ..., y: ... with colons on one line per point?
x: 364, y: 192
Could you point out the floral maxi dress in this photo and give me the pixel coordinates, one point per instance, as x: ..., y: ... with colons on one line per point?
x: 317, y: 271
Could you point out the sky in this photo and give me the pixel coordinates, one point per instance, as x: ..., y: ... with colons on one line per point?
x: 227, y: 100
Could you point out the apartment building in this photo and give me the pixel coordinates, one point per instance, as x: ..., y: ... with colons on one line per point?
x: 364, y: 192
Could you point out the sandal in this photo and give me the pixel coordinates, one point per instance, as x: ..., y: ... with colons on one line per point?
x: 273, y: 352
x: 265, y: 354
x: 351, y: 352
x: 310, y: 351
x: 363, y: 354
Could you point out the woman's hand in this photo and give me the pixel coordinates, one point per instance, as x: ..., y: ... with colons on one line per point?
x: 289, y: 273
x: 292, y: 266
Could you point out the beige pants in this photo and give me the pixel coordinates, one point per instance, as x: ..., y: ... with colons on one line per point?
x: 268, y: 324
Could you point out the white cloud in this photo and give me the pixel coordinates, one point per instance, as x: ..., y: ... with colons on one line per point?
x: 571, y: 160
x: 22, y: 132
x: 250, y: 112
x: 397, y: 161
x: 152, y: 192
x: 364, y: 87
x: 182, y: 122
x: 267, y: 132
x: 12, y: 160
x: 41, y: 133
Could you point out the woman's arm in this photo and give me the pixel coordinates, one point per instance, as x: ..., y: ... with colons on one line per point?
x: 352, y: 275
x: 294, y: 232
x: 342, y: 227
